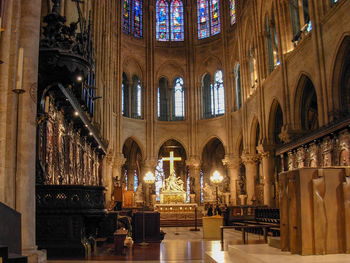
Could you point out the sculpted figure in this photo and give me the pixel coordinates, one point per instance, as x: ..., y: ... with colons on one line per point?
x: 172, y: 183
x: 208, y: 192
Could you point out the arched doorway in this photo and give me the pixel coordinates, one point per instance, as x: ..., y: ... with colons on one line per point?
x: 212, y: 156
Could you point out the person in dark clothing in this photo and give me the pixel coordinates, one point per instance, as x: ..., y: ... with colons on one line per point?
x: 210, y: 211
x: 217, y: 210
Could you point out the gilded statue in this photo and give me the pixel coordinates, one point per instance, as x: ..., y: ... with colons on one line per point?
x: 173, y: 184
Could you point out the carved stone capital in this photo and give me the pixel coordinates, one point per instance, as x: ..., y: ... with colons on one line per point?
x: 150, y: 163
x: 287, y: 134
x: 118, y: 160
x: 231, y: 161
x: 266, y: 150
x: 194, y: 162
x: 249, y: 159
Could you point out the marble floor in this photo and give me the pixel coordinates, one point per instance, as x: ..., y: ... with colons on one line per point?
x: 182, y: 245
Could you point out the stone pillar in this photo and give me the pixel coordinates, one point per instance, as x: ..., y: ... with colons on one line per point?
x: 268, y: 170
x: 131, y: 173
x: 232, y: 164
x: 26, y: 158
x: 195, y: 178
x: 118, y: 162
x: 251, y: 163
x: 108, y: 178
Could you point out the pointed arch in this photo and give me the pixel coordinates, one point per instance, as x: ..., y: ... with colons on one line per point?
x: 255, y: 135
x: 341, y: 79
x: 275, y: 122
x: 306, y: 104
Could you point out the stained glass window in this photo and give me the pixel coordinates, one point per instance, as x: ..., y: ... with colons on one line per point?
x: 132, y: 16
x: 219, y: 94
x: 204, y: 9
x: 137, y: 18
x: 203, y: 19
x: 162, y: 28
x: 138, y: 100
x: 126, y: 16
x: 179, y: 99
x: 136, y: 181
x: 177, y: 21
x: 215, y: 17
x: 233, y: 11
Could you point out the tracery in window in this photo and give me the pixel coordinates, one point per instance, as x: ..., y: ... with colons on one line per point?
x: 205, y: 10
x: 171, y: 104
x: 213, y: 95
x: 132, y: 97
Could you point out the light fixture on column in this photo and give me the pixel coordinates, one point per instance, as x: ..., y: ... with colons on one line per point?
x: 149, y: 179
x: 217, y: 179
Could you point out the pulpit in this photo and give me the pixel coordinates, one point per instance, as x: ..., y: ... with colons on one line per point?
x: 152, y: 227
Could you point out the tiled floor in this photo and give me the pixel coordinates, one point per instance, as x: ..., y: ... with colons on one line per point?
x: 182, y: 245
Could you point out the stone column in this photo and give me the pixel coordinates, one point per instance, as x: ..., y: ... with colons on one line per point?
x: 108, y: 178
x: 251, y: 163
x: 131, y: 173
x: 195, y: 178
x: 232, y: 164
x: 25, y: 177
x: 118, y: 162
x: 268, y: 170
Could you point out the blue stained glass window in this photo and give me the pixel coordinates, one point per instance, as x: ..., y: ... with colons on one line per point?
x: 162, y: 28
x: 132, y: 14
x: 137, y: 18
x: 203, y: 19
x: 126, y: 16
x: 215, y: 17
x: 136, y: 181
x: 177, y: 21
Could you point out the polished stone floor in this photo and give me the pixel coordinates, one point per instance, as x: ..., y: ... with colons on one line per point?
x: 182, y: 245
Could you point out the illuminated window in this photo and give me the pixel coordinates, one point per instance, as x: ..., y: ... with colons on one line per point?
x: 213, y: 95
x: 174, y: 30
x: 177, y: 21
x: 179, y: 99
x: 132, y: 17
x: 208, y: 18
x: 171, y: 103
x: 233, y: 11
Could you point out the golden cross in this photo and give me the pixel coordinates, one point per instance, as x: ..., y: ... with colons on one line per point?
x: 171, y: 159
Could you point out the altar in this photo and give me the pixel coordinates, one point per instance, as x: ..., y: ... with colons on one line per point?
x: 173, y: 209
